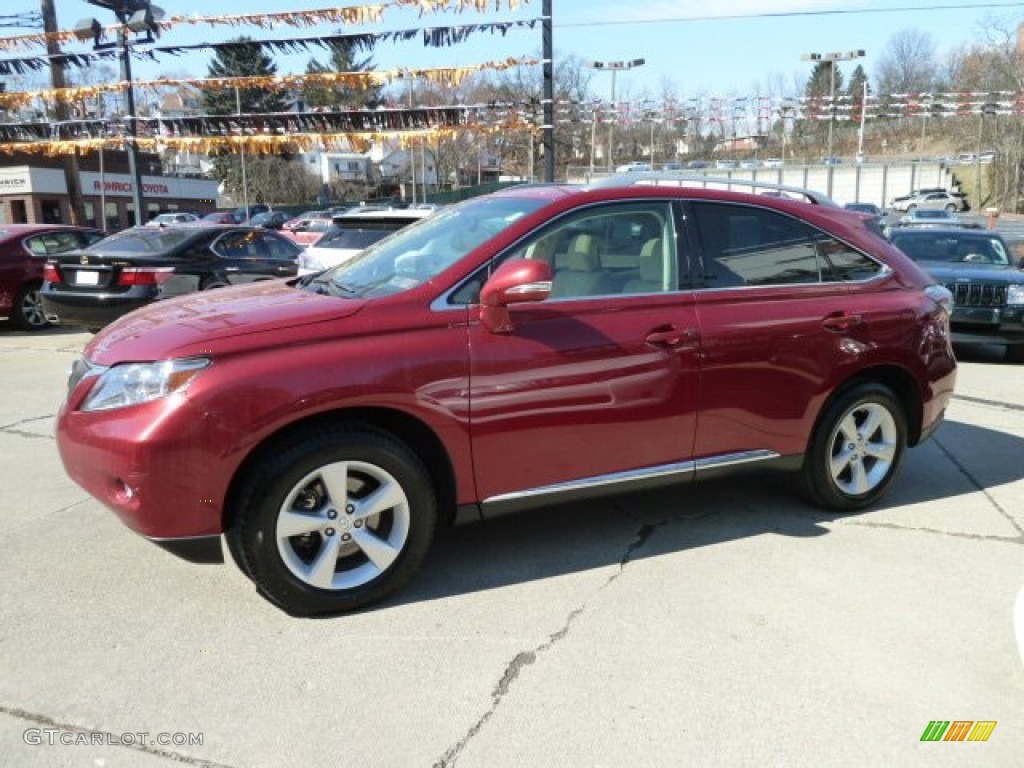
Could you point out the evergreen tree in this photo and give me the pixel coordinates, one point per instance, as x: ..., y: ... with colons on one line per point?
x: 342, y: 96
x: 244, y: 59
x: 857, y: 80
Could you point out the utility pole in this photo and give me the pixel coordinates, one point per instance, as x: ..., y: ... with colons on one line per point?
x: 72, y: 172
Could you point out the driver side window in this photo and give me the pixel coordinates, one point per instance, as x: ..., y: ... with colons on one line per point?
x: 616, y: 249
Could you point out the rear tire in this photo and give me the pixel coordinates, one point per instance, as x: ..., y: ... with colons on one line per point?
x: 333, y: 520
x: 28, y: 312
x: 1015, y: 353
x: 856, y: 449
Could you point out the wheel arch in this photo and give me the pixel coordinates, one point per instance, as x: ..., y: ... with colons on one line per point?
x: 408, y: 429
x: 902, y: 384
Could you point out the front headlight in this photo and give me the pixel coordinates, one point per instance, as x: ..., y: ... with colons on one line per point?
x: 135, y: 383
x: 1015, y: 294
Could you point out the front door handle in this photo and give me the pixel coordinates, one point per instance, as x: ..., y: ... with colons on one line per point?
x: 670, y: 336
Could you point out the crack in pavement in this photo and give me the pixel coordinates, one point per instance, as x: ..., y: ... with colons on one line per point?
x: 525, y: 658
x: 109, y: 738
x: 15, y: 428
x: 974, y: 481
x: 986, y: 401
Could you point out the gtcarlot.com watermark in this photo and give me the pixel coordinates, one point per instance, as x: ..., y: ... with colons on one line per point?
x: 58, y: 736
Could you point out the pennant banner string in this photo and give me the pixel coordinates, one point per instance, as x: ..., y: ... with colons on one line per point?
x: 433, y: 37
x: 348, y: 15
x: 452, y: 76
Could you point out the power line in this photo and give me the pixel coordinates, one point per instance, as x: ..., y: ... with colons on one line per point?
x: 794, y: 14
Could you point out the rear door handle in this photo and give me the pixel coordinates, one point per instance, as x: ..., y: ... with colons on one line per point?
x: 841, y: 322
x: 670, y: 336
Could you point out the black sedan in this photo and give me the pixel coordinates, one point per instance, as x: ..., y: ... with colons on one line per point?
x: 270, y: 219
x: 96, y: 285
x: 979, y: 269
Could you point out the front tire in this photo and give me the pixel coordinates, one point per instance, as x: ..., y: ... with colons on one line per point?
x: 1015, y: 353
x: 856, y: 449
x: 334, y: 520
x: 28, y: 312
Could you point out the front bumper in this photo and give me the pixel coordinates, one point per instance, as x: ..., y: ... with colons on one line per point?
x: 988, y: 325
x: 158, y: 465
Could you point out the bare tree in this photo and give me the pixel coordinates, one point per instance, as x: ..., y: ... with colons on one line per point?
x: 908, y: 63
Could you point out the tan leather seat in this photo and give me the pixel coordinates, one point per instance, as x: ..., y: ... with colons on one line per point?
x: 651, y: 270
x: 581, y: 273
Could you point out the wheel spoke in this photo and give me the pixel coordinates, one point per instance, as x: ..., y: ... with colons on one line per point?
x: 839, y: 462
x: 335, y: 477
x: 321, y: 570
x: 848, y: 428
x: 293, y: 523
x: 872, y: 422
x: 859, y: 482
x: 384, y: 498
x: 882, y: 451
x: 380, y: 552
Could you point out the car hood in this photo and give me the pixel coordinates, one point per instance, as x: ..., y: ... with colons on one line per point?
x: 219, y: 320
x: 945, y: 272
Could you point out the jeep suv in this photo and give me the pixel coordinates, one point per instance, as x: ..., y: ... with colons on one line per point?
x: 541, y: 344
x: 977, y: 266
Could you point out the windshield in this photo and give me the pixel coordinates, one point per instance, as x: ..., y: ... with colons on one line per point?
x: 419, y: 252
x: 143, y: 240
x: 356, y: 239
x: 972, y: 249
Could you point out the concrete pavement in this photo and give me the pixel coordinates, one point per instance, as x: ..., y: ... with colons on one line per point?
x: 722, y: 624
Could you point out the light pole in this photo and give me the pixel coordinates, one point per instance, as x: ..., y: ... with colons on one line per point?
x: 614, y: 66
x: 138, y: 16
x: 832, y: 58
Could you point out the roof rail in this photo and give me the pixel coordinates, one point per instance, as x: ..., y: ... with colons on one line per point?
x: 705, y: 181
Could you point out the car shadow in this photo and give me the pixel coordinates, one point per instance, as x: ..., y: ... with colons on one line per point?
x: 612, y: 531
x: 981, y: 353
x: 8, y: 328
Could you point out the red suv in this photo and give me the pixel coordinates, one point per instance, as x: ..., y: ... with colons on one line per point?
x: 537, y: 345
x: 23, y: 252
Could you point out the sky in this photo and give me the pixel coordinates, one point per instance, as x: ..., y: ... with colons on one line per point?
x: 725, y: 47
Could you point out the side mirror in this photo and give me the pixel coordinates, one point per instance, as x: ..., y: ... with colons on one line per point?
x: 515, y: 282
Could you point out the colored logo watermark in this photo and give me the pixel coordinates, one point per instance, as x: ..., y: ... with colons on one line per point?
x: 958, y: 730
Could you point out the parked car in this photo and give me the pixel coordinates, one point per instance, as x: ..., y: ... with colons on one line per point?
x: 831, y: 161
x: 269, y: 219
x: 305, y: 216
x: 243, y: 214
x: 179, y: 217
x: 695, y: 164
x: 725, y: 164
x: 773, y: 162
x: 351, y: 233
x: 222, y: 217
x: 541, y: 344
x: 23, y: 252
x: 977, y: 266
x: 636, y: 165
x: 929, y: 217
x: 96, y: 285
x: 949, y: 201
x: 306, y: 231
x: 869, y: 208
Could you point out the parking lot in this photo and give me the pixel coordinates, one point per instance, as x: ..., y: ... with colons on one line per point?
x: 721, y: 624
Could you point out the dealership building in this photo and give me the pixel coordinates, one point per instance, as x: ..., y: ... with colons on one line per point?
x: 33, y: 190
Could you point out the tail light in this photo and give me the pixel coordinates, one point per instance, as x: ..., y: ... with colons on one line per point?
x: 51, y: 273
x: 145, y: 275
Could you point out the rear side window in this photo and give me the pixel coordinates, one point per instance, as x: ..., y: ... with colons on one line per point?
x: 744, y: 245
